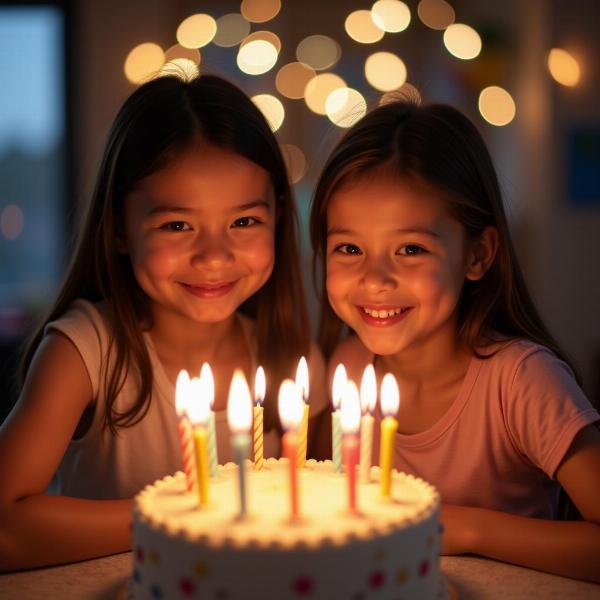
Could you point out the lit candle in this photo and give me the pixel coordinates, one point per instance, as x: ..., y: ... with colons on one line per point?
x: 390, y: 401
x: 208, y: 387
x: 239, y: 416
x: 198, y: 409
x: 182, y: 396
x: 368, y: 398
x: 260, y: 386
x: 350, y: 423
x: 290, y: 413
x: 302, y: 385
x: 339, y: 385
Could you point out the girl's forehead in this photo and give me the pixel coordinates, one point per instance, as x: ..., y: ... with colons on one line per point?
x: 372, y: 198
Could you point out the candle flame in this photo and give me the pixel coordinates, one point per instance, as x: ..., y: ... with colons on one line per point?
x: 182, y: 392
x: 302, y: 378
x: 208, y: 383
x: 260, y: 386
x: 198, y: 404
x: 239, y: 404
x: 291, y: 407
x: 368, y: 390
x: 350, y: 409
x: 339, y: 384
x: 390, y: 396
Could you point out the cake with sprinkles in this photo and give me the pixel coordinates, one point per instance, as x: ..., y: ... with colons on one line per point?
x: 389, y: 549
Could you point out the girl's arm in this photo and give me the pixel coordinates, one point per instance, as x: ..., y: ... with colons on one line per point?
x: 568, y: 548
x: 36, y: 529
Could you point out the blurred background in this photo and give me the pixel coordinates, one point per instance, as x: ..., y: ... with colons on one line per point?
x: 525, y: 71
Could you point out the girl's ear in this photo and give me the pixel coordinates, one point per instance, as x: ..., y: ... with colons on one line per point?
x: 481, y: 254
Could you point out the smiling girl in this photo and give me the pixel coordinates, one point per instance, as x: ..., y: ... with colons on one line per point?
x: 187, y: 255
x: 418, y: 263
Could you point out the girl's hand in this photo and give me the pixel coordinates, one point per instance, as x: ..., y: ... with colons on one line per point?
x: 459, y: 532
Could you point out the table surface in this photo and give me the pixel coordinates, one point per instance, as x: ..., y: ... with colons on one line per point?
x: 473, y: 578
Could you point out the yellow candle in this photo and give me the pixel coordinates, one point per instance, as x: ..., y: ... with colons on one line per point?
x: 390, y: 402
x: 260, y: 386
x: 201, y: 444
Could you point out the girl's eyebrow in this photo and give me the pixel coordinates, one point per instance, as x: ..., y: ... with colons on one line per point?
x: 411, y: 230
x: 161, y: 208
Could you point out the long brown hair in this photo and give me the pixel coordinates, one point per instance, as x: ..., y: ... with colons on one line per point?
x: 436, y: 146
x: 160, y: 120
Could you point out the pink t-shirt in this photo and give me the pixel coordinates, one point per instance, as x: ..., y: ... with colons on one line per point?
x: 501, y: 441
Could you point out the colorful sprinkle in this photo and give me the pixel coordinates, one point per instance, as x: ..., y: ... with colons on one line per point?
x: 187, y: 586
x: 156, y: 591
x: 201, y: 570
x: 139, y: 554
x: 303, y: 585
x: 402, y: 576
x: 376, y: 579
x: 424, y: 568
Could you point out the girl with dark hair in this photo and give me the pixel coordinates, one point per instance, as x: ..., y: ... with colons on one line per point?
x: 187, y: 255
x: 409, y: 229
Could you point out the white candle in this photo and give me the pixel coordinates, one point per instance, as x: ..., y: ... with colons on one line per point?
x: 182, y: 398
x: 340, y: 380
x: 368, y: 398
x: 303, y: 388
x: 239, y: 416
x: 207, y: 386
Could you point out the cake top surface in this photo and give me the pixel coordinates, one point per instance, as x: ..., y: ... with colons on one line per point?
x: 323, y: 500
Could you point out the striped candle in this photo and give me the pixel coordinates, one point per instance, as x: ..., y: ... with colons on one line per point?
x: 302, y: 384
x: 368, y: 399
x: 340, y: 380
x: 207, y: 387
x: 184, y: 428
x: 258, y: 427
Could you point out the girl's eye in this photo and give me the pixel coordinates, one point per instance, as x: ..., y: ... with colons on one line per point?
x: 176, y: 226
x: 411, y: 250
x: 243, y: 222
x: 348, y: 249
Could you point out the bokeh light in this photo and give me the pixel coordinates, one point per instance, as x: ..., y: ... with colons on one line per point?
x: 436, y: 14
x: 231, y: 30
x: 295, y: 162
x: 361, y: 28
x: 12, y: 221
x: 385, y: 71
x: 318, y: 51
x: 259, y: 11
x: 345, y: 106
x: 196, y: 31
x: 318, y: 89
x: 267, y: 36
x: 271, y: 108
x: 179, y: 51
x: 462, y: 41
x: 496, y: 106
x: 563, y: 67
x: 392, y: 16
x: 291, y: 79
x: 257, y: 57
x: 144, y: 62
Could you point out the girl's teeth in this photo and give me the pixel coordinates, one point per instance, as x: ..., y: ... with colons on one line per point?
x: 383, y: 314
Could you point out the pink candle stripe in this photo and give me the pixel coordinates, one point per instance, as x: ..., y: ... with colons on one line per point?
x: 187, y: 452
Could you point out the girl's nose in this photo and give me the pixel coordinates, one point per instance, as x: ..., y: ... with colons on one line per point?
x: 378, y: 277
x: 212, y: 252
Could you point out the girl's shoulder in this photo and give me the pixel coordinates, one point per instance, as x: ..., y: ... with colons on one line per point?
x: 353, y: 354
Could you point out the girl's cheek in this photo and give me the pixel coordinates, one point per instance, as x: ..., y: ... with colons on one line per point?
x: 157, y: 259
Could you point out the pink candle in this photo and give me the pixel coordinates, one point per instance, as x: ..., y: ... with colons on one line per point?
x: 291, y: 409
x: 186, y: 442
x: 350, y: 422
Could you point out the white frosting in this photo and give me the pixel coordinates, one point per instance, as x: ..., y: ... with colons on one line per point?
x: 391, y: 547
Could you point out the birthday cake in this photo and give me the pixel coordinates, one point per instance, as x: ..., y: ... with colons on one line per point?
x: 390, y: 549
